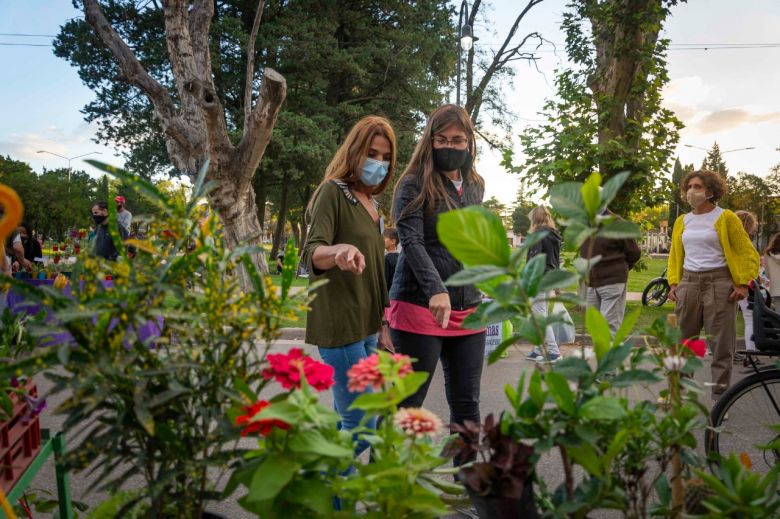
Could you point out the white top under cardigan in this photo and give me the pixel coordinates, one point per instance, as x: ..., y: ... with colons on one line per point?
x: 701, y: 243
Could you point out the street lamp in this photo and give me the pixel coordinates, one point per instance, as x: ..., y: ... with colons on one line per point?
x: 70, y: 158
x: 722, y: 152
x: 465, y: 42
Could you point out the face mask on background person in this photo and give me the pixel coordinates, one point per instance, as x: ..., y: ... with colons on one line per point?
x: 374, y: 171
x: 99, y: 218
x: 449, y: 159
x: 696, y: 197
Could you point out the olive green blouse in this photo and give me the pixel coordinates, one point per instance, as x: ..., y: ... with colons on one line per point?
x: 349, y: 307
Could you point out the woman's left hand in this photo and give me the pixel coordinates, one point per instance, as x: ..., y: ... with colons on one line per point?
x: 384, y: 340
x: 737, y: 293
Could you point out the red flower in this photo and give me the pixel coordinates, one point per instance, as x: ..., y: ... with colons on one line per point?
x: 56, y: 258
x: 76, y: 249
x: 262, y: 427
x: 54, y: 248
x: 82, y: 234
x: 697, y: 346
x: 288, y: 369
x: 366, y: 372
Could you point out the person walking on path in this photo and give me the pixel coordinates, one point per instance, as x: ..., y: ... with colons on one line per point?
x: 750, y: 224
x: 123, y: 217
x: 345, y: 247
x: 711, y: 262
x: 391, y: 255
x: 772, y: 267
x: 426, y: 317
x: 550, y: 246
x: 102, y: 242
x: 608, y: 278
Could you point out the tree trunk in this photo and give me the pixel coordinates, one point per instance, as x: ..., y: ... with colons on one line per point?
x: 296, y: 230
x: 261, y: 195
x: 281, y: 219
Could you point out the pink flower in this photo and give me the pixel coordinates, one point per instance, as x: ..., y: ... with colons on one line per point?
x: 366, y: 372
x: 417, y: 421
x: 697, y: 346
x: 287, y: 369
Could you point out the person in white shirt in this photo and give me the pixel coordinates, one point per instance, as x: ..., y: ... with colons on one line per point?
x: 750, y: 224
x: 711, y: 262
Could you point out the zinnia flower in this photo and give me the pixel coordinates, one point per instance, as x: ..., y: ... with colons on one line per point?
x: 417, y: 421
x: 54, y: 248
x: 674, y: 363
x: 697, y: 346
x: 261, y: 427
x: 56, y: 258
x: 287, y: 369
x: 366, y: 372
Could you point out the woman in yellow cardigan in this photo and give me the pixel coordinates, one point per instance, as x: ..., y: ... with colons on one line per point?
x: 711, y: 262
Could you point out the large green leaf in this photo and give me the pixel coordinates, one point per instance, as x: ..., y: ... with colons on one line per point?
x: 590, y: 194
x: 312, y: 441
x: 633, y: 377
x: 475, y: 236
x: 587, y: 457
x: 271, y: 477
x: 619, y: 229
x: 598, y: 328
x: 557, y: 279
x: 612, y: 186
x: 627, y: 325
x: 532, y: 274
x: 560, y: 391
x: 474, y: 275
x: 566, y: 200
x: 614, y: 358
x: 602, y: 408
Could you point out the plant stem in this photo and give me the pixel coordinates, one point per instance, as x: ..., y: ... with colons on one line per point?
x: 568, y: 473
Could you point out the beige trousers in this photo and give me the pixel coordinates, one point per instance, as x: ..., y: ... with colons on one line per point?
x: 702, y: 302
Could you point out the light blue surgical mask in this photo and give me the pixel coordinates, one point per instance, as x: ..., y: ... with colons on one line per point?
x: 374, y: 171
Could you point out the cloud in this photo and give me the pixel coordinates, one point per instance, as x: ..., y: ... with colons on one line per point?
x: 731, y: 118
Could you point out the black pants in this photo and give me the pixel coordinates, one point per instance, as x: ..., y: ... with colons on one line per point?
x: 461, y: 358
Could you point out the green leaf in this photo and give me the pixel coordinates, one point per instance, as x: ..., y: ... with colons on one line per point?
x: 408, y: 385
x: 583, y: 266
x: 590, y: 194
x: 474, y: 236
x: 557, y: 279
x: 616, y: 445
x: 612, y: 186
x: 271, y: 477
x: 619, y: 229
x: 535, y: 391
x: 312, y: 441
x: 559, y: 389
x: 633, y: 377
x: 374, y: 401
x: 281, y: 410
x: 614, y: 358
x: 602, y: 408
x: 598, y: 328
x: 627, y: 325
x: 141, y: 411
x: 495, y: 355
x: 314, y: 494
x: 474, y: 275
x: 532, y: 274
x: 576, y: 233
x: 566, y: 200
x: 587, y: 457
x: 289, y: 268
x: 572, y: 368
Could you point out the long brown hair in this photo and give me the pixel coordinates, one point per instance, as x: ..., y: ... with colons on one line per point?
x: 421, y: 163
x: 347, y: 163
x: 773, y: 247
x: 540, y: 217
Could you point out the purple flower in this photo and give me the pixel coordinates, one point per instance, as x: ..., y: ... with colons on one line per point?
x: 34, y: 406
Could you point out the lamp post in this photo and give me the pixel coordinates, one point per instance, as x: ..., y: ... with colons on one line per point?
x: 722, y: 152
x: 465, y: 41
x: 69, y: 159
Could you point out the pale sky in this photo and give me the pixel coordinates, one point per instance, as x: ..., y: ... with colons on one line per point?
x: 728, y: 95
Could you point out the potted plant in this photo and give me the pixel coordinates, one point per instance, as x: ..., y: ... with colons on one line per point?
x: 500, y: 479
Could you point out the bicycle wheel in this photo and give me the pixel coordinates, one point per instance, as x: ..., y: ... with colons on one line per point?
x: 656, y: 292
x: 743, y: 419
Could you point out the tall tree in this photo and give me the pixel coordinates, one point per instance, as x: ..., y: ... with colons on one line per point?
x: 188, y: 103
x: 677, y: 205
x: 487, y: 70
x: 714, y: 161
x: 607, y: 114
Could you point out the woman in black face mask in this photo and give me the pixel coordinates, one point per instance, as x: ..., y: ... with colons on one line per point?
x: 425, y: 316
x: 32, y: 249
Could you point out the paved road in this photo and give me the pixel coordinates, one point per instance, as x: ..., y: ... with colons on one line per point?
x: 493, y: 400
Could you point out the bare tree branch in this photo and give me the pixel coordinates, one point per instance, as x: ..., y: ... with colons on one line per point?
x: 135, y: 74
x: 257, y: 132
x: 250, y: 62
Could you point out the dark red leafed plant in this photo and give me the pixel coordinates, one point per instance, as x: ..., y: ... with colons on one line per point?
x: 503, y: 465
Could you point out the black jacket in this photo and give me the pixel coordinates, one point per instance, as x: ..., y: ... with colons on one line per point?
x: 425, y: 264
x: 104, y: 246
x: 551, y: 246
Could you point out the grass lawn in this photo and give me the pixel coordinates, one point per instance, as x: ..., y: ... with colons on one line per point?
x: 637, y: 281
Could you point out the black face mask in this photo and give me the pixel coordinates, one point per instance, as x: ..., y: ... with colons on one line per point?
x: 25, y: 239
x: 99, y: 218
x: 449, y: 159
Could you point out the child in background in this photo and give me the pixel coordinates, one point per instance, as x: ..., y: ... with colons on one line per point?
x: 391, y: 254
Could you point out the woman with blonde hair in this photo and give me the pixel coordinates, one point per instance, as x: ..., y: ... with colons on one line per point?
x: 346, y: 248
x: 426, y: 317
x: 550, y: 246
x: 711, y: 262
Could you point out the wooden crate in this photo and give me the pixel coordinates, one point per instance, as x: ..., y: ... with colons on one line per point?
x: 20, y: 441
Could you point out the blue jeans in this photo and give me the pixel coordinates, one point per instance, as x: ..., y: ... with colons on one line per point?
x: 342, y: 358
